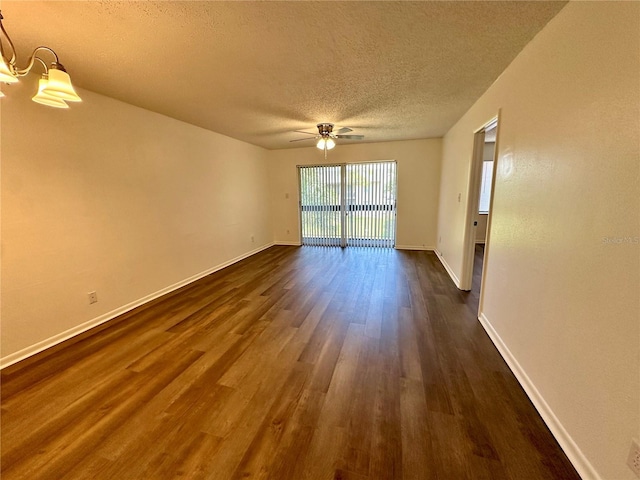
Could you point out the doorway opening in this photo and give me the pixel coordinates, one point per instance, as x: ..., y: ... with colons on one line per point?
x: 479, y: 206
x: 348, y: 204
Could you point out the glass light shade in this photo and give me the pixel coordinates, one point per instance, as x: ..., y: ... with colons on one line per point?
x: 327, y: 143
x: 59, y: 86
x: 5, y: 74
x: 45, y: 99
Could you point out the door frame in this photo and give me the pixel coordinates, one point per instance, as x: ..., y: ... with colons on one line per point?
x: 473, y: 198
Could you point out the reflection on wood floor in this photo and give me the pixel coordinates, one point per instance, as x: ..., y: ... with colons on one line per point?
x: 296, y: 363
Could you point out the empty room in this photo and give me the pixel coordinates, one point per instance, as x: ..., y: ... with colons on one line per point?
x: 320, y: 240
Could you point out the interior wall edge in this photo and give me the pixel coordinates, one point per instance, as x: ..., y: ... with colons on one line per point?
x: 43, y: 345
x: 562, y: 436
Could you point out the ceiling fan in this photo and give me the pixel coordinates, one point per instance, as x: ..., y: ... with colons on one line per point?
x: 326, y: 136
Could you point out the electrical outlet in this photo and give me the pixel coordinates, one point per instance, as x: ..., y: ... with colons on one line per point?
x: 252, y: 239
x: 93, y: 297
x: 634, y: 458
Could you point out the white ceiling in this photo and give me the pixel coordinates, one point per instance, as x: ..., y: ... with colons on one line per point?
x: 258, y: 70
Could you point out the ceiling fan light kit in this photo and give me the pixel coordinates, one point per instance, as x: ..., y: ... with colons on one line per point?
x: 326, y: 137
x: 327, y: 143
x: 54, y: 86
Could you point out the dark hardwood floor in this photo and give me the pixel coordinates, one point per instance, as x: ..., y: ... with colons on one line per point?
x: 296, y: 363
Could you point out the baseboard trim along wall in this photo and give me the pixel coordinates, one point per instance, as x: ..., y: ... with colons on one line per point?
x: 83, y: 327
x: 446, y: 266
x: 415, y: 247
x: 570, y: 448
x: 397, y: 247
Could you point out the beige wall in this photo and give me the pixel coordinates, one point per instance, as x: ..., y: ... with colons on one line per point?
x: 418, y: 183
x: 560, y: 300
x: 113, y: 198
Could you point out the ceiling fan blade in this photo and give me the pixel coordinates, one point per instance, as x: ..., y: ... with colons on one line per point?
x: 301, y: 139
x: 351, y: 137
x: 342, y: 130
x: 306, y: 133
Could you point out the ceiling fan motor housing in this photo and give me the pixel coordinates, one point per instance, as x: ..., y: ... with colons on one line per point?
x: 325, y: 128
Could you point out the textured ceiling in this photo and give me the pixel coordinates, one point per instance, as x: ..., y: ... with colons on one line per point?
x: 256, y: 71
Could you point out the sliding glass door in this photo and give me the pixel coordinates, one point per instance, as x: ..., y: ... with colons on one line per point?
x: 349, y: 204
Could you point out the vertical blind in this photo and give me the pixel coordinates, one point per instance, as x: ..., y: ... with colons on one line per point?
x: 370, y: 204
x: 321, y: 205
x: 349, y: 204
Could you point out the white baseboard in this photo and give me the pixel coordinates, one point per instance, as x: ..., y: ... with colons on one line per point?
x: 397, y: 247
x: 570, y: 448
x: 446, y: 266
x: 414, y: 247
x: 83, y: 327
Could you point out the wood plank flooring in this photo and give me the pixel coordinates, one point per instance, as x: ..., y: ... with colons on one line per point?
x: 296, y: 363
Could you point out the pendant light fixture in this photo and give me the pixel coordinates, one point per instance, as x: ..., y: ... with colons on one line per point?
x: 54, y: 86
x: 45, y: 98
